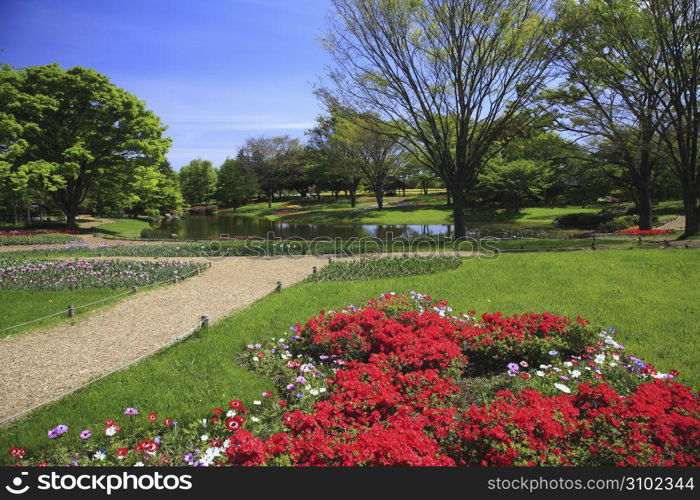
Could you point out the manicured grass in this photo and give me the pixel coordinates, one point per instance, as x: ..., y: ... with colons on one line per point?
x: 650, y: 296
x: 20, y: 306
x: 124, y: 228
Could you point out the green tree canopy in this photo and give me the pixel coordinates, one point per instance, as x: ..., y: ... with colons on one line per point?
x: 66, y: 129
x: 198, y: 181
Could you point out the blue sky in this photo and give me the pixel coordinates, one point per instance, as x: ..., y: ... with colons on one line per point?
x: 215, y: 71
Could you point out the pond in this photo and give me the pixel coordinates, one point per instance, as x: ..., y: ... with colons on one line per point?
x: 213, y: 226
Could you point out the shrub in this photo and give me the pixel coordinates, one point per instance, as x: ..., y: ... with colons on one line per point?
x: 583, y: 220
x: 388, y: 267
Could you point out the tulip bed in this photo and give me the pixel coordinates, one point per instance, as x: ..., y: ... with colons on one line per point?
x: 385, y: 383
x: 37, y: 237
x: 19, y: 274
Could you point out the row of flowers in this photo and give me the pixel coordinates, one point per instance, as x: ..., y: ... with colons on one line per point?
x: 75, y: 274
x: 635, y: 231
x: 384, y: 384
x: 34, y: 233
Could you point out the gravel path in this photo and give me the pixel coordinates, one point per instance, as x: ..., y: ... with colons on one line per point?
x: 677, y: 223
x: 38, y: 366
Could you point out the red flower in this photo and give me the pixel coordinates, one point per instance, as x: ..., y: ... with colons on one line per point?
x: 216, y: 443
x: 43, y: 464
x: 109, y: 422
x: 168, y: 421
x: 267, y: 394
x: 17, y: 452
x: 148, y: 446
x: 218, y: 411
x: 152, y: 417
x: 122, y: 452
x: 283, y: 403
x: 235, y: 404
x: 235, y: 423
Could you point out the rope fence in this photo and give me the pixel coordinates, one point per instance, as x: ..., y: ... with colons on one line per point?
x: 71, y: 309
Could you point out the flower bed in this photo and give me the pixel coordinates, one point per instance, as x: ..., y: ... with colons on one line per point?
x: 635, y: 231
x: 44, y: 237
x: 381, y: 384
x: 387, y: 267
x: 76, y: 274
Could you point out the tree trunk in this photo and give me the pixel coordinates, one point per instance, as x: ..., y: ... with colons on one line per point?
x: 449, y: 198
x: 269, y: 199
x: 71, y: 218
x: 691, y: 211
x: 353, y: 197
x: 458, y: 214
x: 379, y: 194
x: 644, y: 205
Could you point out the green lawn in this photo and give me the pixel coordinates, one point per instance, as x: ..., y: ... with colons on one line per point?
x: 20, y: 306
x: 124, y: 228
x: 430, y: 209
x: 650, y: 296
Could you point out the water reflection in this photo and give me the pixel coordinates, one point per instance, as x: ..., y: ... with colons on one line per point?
x: 213, y: 226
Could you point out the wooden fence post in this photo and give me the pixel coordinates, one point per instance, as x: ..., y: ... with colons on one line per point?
x: 71, y: 311
x: 314, y: 270
x: 205, y: 321
x: 278, y: 287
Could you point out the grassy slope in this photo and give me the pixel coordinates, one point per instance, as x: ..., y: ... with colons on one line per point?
x: 650, y: 296
x: 19, y: 306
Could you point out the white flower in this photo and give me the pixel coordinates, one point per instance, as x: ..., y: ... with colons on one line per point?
x: 322, y: 389
x: 204, y: 422
x: 256, y: 359
x: 314, y: 392
x: 257, y: 402
x: 599, y: 358
x: 575, y: 373
x: 231, y: 413
x: 540, y: 373
x: 562, y: 388
x: 138, y: 464
x: 99, y: 455
x: 111, y: 430
x: 255, y: 419
x: 204, y: 437
x: 568, y: 364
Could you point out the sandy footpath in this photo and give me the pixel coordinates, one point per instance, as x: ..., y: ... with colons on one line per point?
x: 40, y: 365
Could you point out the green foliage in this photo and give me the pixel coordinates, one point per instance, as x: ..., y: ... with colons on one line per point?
x: 67, y: 134
x: 388, y: 267
x: 38, y: 239
x: 236, y: 184
x: 198, y: 181
x: 514, y: 184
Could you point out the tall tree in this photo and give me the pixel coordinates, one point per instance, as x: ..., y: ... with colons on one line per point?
x: 198, y: 182
x: 450, y: 76
x: 376, y: 151
x: 269, y: 158
x: 674, y: 27
x: 71, y: 127
x: 236, y: 184
x: 334, y: 155
x: 605, y: 100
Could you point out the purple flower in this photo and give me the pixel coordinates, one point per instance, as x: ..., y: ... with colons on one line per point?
x: 513, y: 367
x: 131, y: 411
x: 86, y: 434
x: 57, y: 431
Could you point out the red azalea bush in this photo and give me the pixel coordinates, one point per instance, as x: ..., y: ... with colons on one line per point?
x: 382, y: 385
